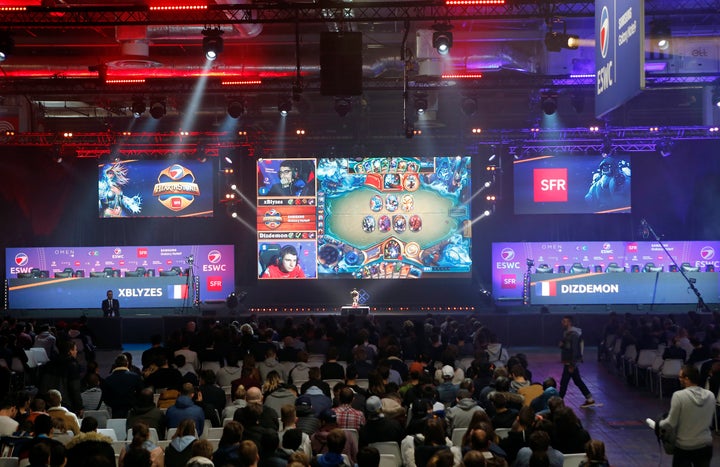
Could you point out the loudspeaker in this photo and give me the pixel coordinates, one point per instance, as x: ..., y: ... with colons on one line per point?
x: 340, y: 63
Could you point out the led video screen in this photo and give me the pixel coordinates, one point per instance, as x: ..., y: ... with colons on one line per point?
x: 141, y: 276
x: 632, y: 265
x: 155, y: 188
x: 572, y: 185
x: 364, y: 218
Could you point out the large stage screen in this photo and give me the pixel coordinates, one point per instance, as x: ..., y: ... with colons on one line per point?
x: 644, y: 271
x: 572, y: 185
x: 364, y: 218
x: 155, y: 188
x: 140, y: 276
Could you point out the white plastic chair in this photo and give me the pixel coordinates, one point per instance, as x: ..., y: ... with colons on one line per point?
x: 457, y: 436
x: 9, y: 461
x: 670, y: 370
x: 502, y: 433
x: 573, y: 460
x: 214, y: 433
x: 645, y: 360
x: 153, y: 435
x: 109, y: 432
x: 387, y: 460
x: 170, y: 433
x: 118, y: 424
x: 389, y: 448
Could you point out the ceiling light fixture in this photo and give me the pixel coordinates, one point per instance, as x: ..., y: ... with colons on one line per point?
x: 157, y: 109
x: 212, y: 43
x: 421, y: 102
x: 138, y: 107
x: 555, y: 41
x: 343, y: 106
x: 235, y: 108
x: 7, y: 44
x: 660, y: 33
x: 548, y: 103
x: 442, y: 38
x: 285, y: 106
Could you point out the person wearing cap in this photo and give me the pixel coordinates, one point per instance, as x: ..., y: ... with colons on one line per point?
x: 319, y: 439
x: 378, y: 428
x: 447, y: 391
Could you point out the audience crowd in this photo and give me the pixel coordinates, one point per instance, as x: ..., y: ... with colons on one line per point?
x: 322, y: 391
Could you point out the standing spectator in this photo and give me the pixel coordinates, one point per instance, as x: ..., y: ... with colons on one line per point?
x: 121, y: 388
x: 8, y: 411
x: 571, y: 356
x: 690, y: 416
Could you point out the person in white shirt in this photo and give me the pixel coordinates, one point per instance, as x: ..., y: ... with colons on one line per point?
x: 8, y: 425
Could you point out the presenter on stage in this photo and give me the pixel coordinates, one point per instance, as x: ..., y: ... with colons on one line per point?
x: 355, y: 295
x: 111, y: 306
x: 286, y: 265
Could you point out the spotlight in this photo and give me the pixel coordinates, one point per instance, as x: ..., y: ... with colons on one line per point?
x: 548, y: 103
x: 660, y: 33
x: 442, y: 38
x: 421, y: 102
x: 284, y: 106
x: 469, y: 106
x: 7, y: 44
x: 664, y: 147
x: 212, y: 43
x: 157, y: 109
x: 343, y: 106
x: 556, y: 41
x: 235, y: 108
x: 716, y: 97
x: 138, y: 107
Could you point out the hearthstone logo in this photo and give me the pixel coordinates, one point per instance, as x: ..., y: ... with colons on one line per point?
x: 176, y: 188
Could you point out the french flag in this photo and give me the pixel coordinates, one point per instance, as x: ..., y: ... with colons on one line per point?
x: 546, y: 288
x: 178, y: 291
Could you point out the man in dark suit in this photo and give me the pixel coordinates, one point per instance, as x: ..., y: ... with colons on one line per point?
x: 111, y: 306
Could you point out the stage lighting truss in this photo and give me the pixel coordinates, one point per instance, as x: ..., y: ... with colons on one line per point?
x: 138, y: 106
x: 7, y: 44
x: 555, y: 41
x: 442, y: 38
x: 157, y: 109
x: 212, y: 42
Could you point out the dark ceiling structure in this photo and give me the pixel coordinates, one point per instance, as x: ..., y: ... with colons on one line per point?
x: 85, y: 67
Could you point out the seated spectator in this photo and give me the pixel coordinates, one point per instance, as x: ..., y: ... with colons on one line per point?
x: 230, y: 372
x: 187, y: 371
x: 228, y: 451
x: 147, y: 412
x: 569, y: 437
x: 347, y: 416
x: 141, y: 440
x: 504, y: 416
x: 539, y: 446
x: 377, y: 427
x: 418, y: 449
x: 319, y: 439
x: 297, y: 440
x: 121, y: 387
x: 331, y: 369
x: 336, y: 440
x: 540, y: 403
x: 57, y: 411
x: 595, y: 454
x: 90, y: 448
x: 268, y: 416
x: 180, y: 449
x: 314, y: 379
x: 212, y: 395
x: 184, y: 408
x: 271, y: 363
x: 8, y: 411
x: 202, y: 454
x: 519, y: 434
x: 92, y: 396
x: 276, y: 393
x: 238, y: 401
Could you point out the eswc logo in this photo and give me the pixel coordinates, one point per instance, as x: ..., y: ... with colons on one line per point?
x: 21, y: 259
x: 507, y: 254
x: 706, y: 253
x: 604, y: 33
x: 214, y: 258
x: 550, y: 185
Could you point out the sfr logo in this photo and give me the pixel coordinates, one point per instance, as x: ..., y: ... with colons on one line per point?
x: 550, y: 185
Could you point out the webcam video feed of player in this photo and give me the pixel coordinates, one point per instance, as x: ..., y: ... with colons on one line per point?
x: 572, y: 184
x: 155, y: 188
x: 364, y: 218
